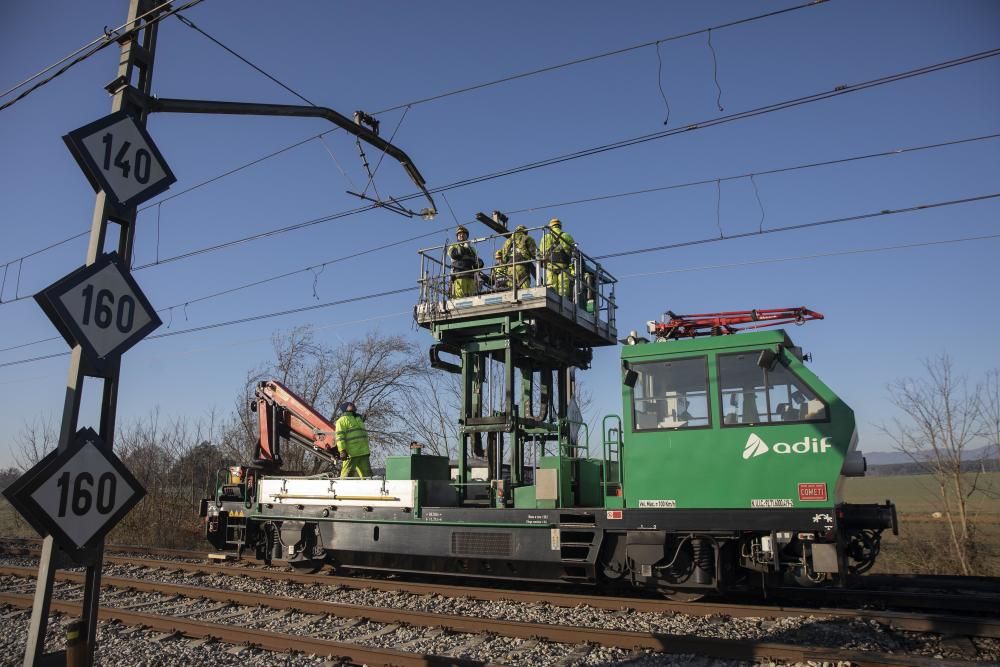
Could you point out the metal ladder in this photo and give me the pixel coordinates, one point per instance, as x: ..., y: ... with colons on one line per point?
x: 611, y: 440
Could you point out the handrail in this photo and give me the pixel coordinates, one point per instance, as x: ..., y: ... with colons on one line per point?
x: 592, y: 287
x: 612, y: 437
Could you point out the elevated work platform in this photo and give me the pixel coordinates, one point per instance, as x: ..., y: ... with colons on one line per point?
x: 516, y: 314
x: 577, y: 299
x: 538, y: 302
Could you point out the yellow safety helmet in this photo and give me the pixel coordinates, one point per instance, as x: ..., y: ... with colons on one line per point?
x: 497, y: 254
x: 520, y: 228
x: 461, y: 230
x: 555, y: 222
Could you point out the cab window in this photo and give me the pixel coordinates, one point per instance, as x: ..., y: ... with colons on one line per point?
x: 754, y: 395
x: 671, y: 394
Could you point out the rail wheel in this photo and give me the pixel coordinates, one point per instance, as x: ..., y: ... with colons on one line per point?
x: 681, y: 596
x: 308, y: 565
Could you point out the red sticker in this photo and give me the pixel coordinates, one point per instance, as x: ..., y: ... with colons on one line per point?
x: 614, y: 514
x: 812, y: 492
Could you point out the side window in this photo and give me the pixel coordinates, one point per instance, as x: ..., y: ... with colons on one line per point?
x: 671, y: 394
x: 755, y: 395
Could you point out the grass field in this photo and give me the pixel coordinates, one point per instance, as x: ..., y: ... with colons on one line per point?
x: 922, y: 545
x: 916, y: 495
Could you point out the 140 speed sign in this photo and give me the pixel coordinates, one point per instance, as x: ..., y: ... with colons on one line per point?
x: 119, y: 157
x: 101, y: 308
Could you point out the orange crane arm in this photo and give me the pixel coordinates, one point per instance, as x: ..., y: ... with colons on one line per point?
x: 282, y: 414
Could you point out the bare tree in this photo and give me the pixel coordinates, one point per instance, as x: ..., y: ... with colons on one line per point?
x: 989, y: 409
x: 377, y: 373
x: 942, y: 420
x: 8, y: 476
x: 177, y: 463
x: 36, y: 438
x: 431, y: 412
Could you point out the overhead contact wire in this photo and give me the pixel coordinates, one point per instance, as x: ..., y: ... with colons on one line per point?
x: 108, y: 37
x: 777, y: 170
x: 599, y: 56
x: 837, y: 253
x: 401, y: 290
x: 804, y: 225
x: 838, y: 90
x: 101, y: 46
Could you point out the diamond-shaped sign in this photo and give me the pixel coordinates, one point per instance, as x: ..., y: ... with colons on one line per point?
x: 118, y: 156
x: 77, y: 495
x: 101, y: 308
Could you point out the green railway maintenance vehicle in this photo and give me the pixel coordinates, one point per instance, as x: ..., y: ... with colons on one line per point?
x: 724, y: 471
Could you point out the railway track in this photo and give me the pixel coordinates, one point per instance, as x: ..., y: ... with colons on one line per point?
x: 979, y: 599
x: 230, y: 616
x: 569, y: 642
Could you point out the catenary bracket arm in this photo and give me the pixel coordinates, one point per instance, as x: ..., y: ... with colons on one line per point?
x: 168, y: 105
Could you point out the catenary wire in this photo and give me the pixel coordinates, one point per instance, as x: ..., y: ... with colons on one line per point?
x: 401, y: 290
x: 96, y: 49
x: 804, y: 225
x: 721, y: 120
x: 108, y: 36
x: 599, y: 56
x: 763, y: 172
x: 838, y: 253
x: 838, y: 90
x: 625, y: 143
x: 189, y: 23
x: 460, y: 90
x: 777, y: 170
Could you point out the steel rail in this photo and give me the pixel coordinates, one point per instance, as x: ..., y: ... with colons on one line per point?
x: 623, y: 639
x: 939, y: 622
x: 271, y: 641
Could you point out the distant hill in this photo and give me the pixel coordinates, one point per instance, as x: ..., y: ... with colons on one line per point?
x: 892, y: 458
x: 896, y: 463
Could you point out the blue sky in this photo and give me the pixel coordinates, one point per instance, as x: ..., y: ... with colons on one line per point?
x: 885, y: 311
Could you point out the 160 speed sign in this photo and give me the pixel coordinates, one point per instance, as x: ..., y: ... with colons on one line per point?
x: 101, y: 308
x: 76, y: 495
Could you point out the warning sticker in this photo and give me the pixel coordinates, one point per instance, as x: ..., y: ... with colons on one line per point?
x: 614, y: 514
x: 662, y: 504
x: 772, y: 502
x: 812, y: 492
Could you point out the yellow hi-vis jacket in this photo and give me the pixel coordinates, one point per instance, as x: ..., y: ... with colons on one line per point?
x: 352, y: 438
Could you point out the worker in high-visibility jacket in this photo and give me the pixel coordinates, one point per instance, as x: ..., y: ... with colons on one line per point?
x: 352, y: 442
x: 557, y: 251
x: 465, y: 264
x: 500, y: 274
x: 519, y: 251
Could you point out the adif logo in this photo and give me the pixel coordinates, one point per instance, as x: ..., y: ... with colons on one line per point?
x: 755, y: 446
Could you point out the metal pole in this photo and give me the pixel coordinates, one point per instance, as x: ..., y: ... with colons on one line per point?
x: 137, y: 51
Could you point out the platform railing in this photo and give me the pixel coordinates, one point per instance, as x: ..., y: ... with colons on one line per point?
x: 583, y: 281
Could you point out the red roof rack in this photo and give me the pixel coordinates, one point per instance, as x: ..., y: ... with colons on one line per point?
x: 718, y: 324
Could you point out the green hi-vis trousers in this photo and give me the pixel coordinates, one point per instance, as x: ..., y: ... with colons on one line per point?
x: 355, y: 466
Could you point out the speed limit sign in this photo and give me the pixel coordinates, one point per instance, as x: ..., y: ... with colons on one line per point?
x: 76, y: 495
x: 119, y: 157
x: 101, y: 308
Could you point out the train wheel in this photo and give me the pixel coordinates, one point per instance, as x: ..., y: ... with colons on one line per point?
x: 308, y: 565
x: 681, y: 596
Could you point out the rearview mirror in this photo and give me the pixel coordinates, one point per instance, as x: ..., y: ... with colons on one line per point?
x: 630, y: 375
x: 767, y: 359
